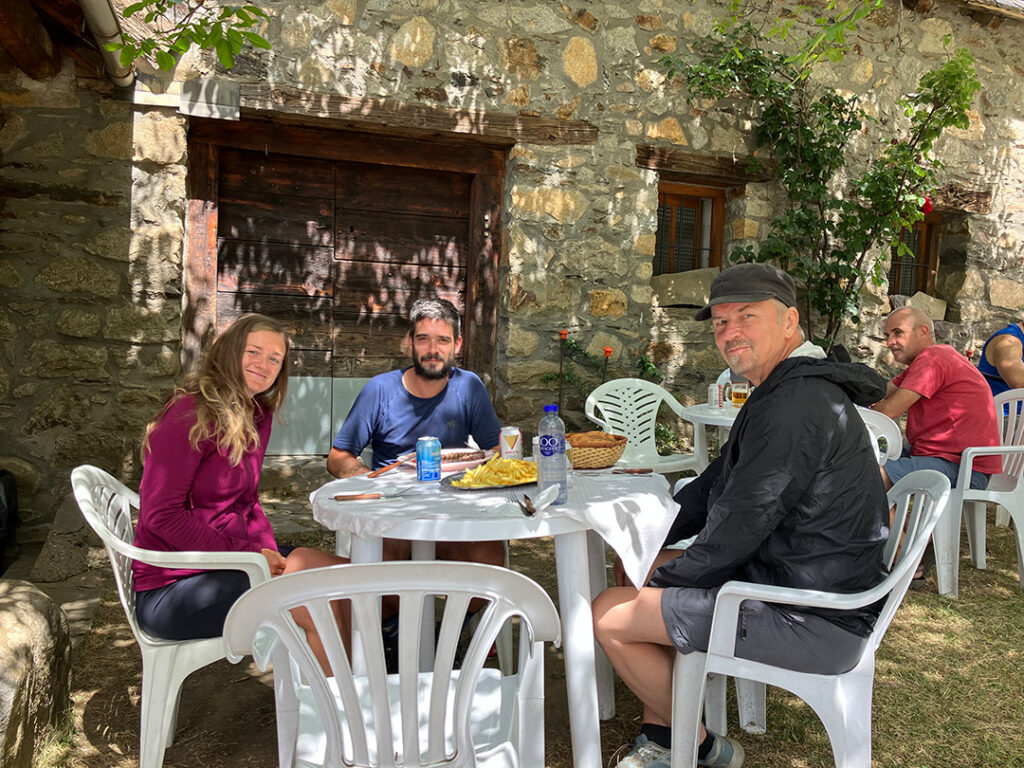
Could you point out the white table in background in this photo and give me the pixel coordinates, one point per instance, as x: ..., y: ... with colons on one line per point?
x: 628, y: 507
x: 704, y: 415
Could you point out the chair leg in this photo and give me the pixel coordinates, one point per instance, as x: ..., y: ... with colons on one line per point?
x: 1018, y: 527
x: 849, y: 726
x: 946, y: 540
x: 750, y: 700
x: 1002, y: 517
x: 688, y: 681
x: 158, y: 706
x: 714, y: 703
x: 974, y: 516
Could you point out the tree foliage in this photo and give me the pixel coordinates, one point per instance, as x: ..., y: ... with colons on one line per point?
x: 837, y: 216
x: 179, y: 24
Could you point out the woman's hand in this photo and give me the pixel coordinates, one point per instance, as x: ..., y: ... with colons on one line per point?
x: 275, y: 560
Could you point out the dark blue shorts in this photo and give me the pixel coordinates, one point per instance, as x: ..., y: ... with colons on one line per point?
x: 899, y: 468
x: 191, y: 608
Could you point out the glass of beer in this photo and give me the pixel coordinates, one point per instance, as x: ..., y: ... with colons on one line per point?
x: 740, y: 391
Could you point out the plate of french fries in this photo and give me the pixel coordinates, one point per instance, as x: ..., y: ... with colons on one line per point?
x: 496, y: 472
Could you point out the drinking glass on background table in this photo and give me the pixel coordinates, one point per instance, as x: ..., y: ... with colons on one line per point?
x: 738, y: 393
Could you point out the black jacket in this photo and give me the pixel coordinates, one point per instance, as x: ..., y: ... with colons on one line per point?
x: 796, y: 498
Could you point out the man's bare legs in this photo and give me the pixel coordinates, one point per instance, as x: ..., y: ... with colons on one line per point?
x: 630, y: 629
x: 619, y: 573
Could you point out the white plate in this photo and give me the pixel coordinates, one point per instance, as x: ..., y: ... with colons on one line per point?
x: 446, y: 482
x: 453, y: 466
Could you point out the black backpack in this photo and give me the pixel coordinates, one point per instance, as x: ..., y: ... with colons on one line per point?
x: 9, y: 519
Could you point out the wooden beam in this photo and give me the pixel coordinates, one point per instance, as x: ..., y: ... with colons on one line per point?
x: 955, y: 199
x: 27, y: 41
x: 391, y: 114
x: 200, y: 321
x: 350, y: 146
x: 695, y: 168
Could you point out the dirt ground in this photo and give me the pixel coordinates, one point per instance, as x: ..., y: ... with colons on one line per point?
x: 226, y: 718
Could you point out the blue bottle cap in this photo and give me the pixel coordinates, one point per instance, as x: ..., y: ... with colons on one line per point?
x: 550, y: 409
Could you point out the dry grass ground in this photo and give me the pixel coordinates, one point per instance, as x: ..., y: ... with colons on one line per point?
x: 947, y: 691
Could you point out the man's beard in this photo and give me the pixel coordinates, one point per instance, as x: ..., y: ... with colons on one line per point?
x: 442, y: 373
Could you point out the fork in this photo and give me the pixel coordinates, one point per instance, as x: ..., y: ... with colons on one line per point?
x: 511, y: 496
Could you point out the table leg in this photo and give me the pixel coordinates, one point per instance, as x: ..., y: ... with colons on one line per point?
x: 571, y: 552
x: 603, y: 667
x: 425, y: 550
x: 364, y: 550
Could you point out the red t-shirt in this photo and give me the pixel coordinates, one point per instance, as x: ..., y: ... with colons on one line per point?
x: 956, y: 409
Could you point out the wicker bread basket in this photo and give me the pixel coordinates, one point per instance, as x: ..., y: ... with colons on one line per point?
x: 585, y: 457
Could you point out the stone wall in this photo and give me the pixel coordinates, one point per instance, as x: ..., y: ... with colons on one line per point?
x: 90, y: 274
x: 92, y: 225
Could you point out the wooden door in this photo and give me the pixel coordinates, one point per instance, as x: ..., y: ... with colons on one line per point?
x: 339, y: 249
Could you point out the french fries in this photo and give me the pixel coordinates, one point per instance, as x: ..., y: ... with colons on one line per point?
x: 498, y: 471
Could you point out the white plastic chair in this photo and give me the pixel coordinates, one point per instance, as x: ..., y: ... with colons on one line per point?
x: 107, y: 506
x: 466, y: 717
x: 881, y: 426
x: 750, y: 694
x: 630, y: 407
x: 1005, y: 489
x: 842, y: 701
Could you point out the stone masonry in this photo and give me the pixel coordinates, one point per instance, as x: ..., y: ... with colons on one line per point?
x: 94, y: 199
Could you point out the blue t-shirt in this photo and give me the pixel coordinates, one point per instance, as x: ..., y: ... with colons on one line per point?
x: 989, y: 371
x: 388, y: 418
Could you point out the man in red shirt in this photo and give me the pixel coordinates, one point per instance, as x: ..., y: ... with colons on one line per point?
x: 948, y: 404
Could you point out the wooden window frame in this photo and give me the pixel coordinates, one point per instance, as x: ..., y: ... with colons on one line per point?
x: 927, y: 232
x: 717, y: 197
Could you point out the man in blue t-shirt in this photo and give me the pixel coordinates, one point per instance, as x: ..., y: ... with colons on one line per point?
x: 432, y: 397
x: 1002, y: 359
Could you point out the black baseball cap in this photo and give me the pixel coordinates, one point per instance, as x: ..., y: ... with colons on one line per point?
x: 749, y: 282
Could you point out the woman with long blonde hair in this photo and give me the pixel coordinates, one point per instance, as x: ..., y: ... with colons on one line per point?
x: 202, y: 457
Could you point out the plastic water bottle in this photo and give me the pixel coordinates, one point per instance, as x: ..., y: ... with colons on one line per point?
x: 551, y: 467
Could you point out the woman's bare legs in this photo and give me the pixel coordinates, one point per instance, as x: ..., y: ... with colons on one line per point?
x: 303, y: 559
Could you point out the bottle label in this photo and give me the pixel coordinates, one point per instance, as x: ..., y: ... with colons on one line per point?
x: 551, y: 444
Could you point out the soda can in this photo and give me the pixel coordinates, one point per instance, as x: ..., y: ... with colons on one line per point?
x: 428, y: 459
x: 510, y: 444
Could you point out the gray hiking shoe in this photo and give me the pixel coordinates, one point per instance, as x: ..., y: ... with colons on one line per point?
x: 645, y: 754
x: 726, y: 753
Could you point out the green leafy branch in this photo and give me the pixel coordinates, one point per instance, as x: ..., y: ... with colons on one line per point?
x: 224, y: 28
x: 825, y: 235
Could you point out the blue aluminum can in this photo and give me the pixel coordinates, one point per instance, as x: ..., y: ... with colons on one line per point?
x: 428, y: 459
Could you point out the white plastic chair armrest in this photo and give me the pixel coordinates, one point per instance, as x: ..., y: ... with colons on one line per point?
x: 963, y: 479
x: 590, y: 410
x: 253, y: 564
x: 734, y: 593
x: 677, y: 408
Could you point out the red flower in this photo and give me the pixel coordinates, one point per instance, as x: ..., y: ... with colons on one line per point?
x: 564, y: 335
x: 927, y: 206
x: 607, y: 351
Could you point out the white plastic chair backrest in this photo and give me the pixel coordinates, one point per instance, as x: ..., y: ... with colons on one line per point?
x: 1009, y: 416
x: 629, y: 407
x: 349, y: 738
x: 107, y: 506
x: 880, y: 425
x: 918, y: 501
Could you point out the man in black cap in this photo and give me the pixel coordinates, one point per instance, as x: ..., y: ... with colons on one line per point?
x: 794, y: 500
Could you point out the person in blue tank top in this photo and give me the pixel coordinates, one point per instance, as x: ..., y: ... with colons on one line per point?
x: 430, y: 397
x: 1002, y: 359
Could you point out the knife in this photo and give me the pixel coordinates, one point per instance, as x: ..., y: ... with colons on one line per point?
x: 389, y: 493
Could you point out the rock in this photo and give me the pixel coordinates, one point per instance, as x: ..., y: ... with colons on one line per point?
x: 580, y: 61
x: 934, y: 308
x: 414, y: 43
x: 684, y: 288
x: 35, y: 670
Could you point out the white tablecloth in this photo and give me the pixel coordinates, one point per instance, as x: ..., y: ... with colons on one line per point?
x: 632, y: 513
